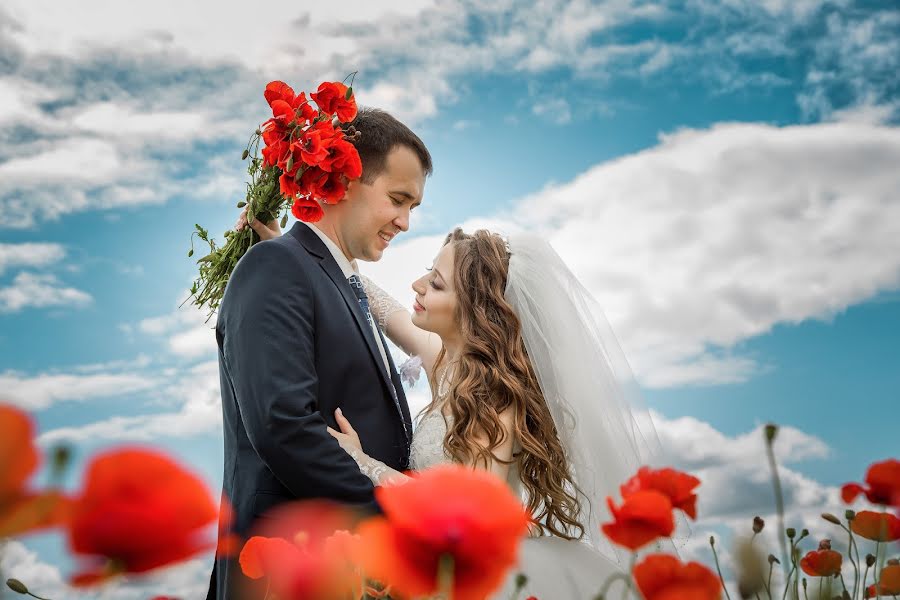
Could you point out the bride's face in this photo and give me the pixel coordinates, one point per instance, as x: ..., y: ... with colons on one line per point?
x: 435, y: 304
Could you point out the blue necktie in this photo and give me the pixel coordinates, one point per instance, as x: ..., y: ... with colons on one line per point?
x: 357, y: 285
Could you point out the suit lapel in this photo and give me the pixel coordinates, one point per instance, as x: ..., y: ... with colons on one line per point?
x: 316, y: 247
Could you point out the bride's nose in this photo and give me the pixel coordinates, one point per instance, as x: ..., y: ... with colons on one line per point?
x: 418, y: 286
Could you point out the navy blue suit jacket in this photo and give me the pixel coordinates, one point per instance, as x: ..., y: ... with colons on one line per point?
x: 294, y: 345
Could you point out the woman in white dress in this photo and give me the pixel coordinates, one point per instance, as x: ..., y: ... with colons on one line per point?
x: 527, y: 382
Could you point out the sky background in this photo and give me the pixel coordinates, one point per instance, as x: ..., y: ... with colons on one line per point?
x: 723, y: 176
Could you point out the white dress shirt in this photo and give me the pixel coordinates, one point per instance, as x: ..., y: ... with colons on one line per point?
x: 348, y: 270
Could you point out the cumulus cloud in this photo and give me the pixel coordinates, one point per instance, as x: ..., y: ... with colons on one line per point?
x: 30, y: 255
x: 186, y: 580
x: 123, y: 103
x: 40, y: 391
x: 713, y: 237
x: 32, y: 290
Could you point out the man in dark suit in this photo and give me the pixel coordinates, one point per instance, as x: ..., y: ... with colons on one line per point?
x: 296, y: 343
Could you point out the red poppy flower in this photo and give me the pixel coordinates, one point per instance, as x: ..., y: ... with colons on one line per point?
x: 888, y: 584
x: 139, y: 510
x: 448, y: 511
x: 278, y: 90
x: 332, y: 99
x: 289, y: 187
x: 880, y: 527
x: 312, y: 148
x: 823, y: 562
x: 678, y: 486
x: 282, y: 112
x: 883, y: 480
x: 342, y: 157
x: 664, y: 577
x: 332, y: 188
x: 304, y: 551
x: 307, y: 210
x: 644, y: 516
x: 22, y: 511
x: 311, y: 181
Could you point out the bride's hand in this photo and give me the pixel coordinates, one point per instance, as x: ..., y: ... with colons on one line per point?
x: 347, y: 437
x: 266, y: 231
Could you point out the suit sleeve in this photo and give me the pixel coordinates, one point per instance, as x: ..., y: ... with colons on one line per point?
x: 269, y: 351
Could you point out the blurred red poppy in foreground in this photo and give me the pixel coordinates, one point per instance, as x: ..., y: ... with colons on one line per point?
x: 883, y: 480
x: 447, y: 512
x: 664, y: 577
x: 644, y: 516
x: 823, y: 562
x: 879, y: 527
x: 304, y: 553
x: 889, y: 584
x: 678, y: 486
x: 21, y: 510
x: 139, y: 510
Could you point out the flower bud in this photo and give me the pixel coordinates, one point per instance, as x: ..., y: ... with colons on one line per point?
x: 850, y: 514
x: 825, y: 545
x: 758, y: 524
x: 831, y: 518
x: 521, y: 580
x: 771, y: 431
x: 712, y: 541
x: 245, y: 154
x: 16, y: 586
x: 791, y: 532
x: 772, y: 559
x: 870, y: 560
x: 804, y: 532
x: 62, y: 455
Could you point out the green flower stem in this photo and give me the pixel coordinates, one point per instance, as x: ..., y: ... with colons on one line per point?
x: 712, y: 544
x: 601, y: 595
x: 771, y: 431
x: 445, y: 576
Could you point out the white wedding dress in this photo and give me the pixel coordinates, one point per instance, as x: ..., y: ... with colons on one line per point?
x: 557, y: 569
x: 605, y: 430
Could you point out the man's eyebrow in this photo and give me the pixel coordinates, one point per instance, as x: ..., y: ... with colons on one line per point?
x: 404, y: 193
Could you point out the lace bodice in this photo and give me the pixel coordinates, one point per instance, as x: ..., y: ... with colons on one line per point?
x: 427, y: 448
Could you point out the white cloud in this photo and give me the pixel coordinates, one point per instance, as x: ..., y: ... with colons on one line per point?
x: 29, y: 290
x: 30, y: 255
x: 193, y: 391
x: 37, y: 392
x: 713, y: 237
x: 186, y: 580
x: 189, y: 334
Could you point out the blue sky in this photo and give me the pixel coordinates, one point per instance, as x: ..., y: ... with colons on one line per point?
x: 722, y: 175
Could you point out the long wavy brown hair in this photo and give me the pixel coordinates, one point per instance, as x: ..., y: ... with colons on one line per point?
x: 493, y: 374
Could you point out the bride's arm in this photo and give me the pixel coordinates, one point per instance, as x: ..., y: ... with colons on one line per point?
x: 396, y: 322
x: 381, y: 474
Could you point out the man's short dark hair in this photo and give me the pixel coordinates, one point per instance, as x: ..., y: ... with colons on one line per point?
x: 379, y: 134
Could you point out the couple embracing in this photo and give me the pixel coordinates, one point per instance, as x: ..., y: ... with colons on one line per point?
x: 527, y: 380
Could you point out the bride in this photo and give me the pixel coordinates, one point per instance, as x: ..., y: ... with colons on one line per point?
x: 527, y: 382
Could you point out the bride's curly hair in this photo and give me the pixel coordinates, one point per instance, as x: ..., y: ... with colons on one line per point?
x: 493, y: 374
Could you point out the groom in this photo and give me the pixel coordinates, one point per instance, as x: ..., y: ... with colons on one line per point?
x: 296, y: 343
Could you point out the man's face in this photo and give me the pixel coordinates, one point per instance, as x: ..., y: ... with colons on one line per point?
x: 373, y: 213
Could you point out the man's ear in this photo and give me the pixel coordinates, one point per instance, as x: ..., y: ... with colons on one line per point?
x: 350, y: 190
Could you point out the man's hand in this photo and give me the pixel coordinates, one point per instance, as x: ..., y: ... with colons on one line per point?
x: 265, y: 231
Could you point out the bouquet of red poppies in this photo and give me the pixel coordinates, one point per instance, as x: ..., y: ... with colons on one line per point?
x: 307, y: 159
